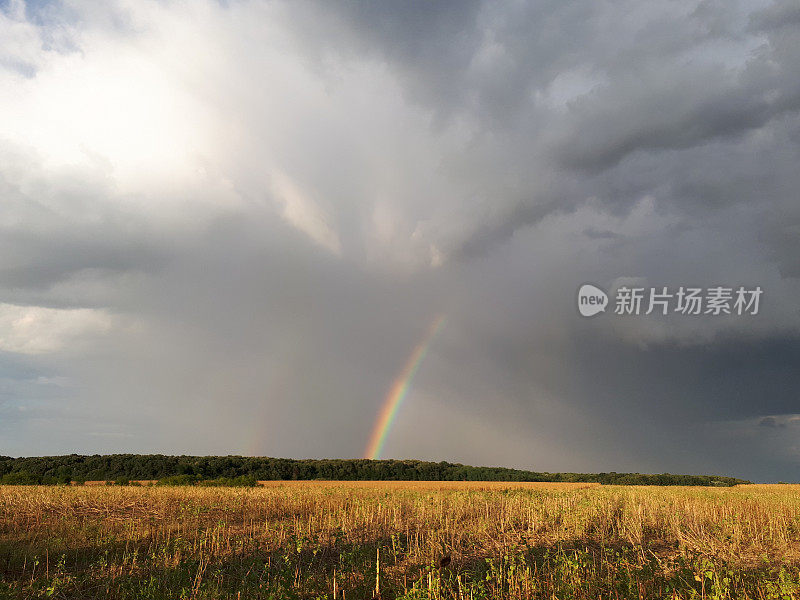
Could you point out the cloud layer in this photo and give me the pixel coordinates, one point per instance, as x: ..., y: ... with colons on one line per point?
x: 224, y: 227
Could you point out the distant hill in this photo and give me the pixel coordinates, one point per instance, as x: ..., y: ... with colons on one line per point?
x: 74, y: 467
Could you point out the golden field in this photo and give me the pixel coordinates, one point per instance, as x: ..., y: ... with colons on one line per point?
x: 400, y: 540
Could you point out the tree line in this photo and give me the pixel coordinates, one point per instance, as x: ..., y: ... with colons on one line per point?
x: 124, y: 467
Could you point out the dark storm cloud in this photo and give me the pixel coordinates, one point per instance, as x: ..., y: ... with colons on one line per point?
x: 689, y: 76
x: 779, y: 15
x: 327, y: 178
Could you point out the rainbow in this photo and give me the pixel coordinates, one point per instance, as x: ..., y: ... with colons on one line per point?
x: 399, y: 390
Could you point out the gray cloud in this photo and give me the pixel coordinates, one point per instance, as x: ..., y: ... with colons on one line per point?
x: 268, y: 204
x: 554, y: 86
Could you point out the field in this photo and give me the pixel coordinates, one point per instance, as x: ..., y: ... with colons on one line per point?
x: 400, y: 540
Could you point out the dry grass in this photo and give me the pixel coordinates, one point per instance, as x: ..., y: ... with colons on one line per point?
x: 300, y: 539
x: 435, y: 485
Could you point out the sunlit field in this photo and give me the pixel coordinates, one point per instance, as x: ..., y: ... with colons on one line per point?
x: 400, y: 540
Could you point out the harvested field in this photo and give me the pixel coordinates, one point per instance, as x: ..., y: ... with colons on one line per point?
x: 436, y: 485
x: 400, y: 540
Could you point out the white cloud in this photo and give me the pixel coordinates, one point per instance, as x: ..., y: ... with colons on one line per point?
x: 40, y: 330
x: 301, y: 212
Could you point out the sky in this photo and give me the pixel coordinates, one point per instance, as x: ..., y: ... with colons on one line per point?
x: 228, y: 227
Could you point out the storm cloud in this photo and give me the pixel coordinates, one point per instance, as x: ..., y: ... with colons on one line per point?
x: 225, y: 226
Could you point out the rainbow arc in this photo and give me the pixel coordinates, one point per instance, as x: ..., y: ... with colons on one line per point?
x: 399, y: 391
